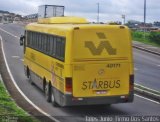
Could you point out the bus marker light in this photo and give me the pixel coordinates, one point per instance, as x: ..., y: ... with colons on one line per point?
x: 74, y: 98
x: 123, y: 97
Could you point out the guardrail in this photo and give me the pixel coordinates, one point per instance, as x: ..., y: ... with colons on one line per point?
x: 147, y: 92
x: 144, y: 91
x: 147, y: 50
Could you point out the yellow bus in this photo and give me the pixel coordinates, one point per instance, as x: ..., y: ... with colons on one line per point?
x: 78, y: 63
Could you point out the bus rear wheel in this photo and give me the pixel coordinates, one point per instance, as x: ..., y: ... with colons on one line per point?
x: 54, y: 103
x: 29, y: 76
x: 47, y: 91
x: 30, y: 80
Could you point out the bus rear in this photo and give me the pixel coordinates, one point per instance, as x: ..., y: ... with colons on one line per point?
x: 102, y: 65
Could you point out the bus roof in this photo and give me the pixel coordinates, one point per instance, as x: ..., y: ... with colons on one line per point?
x: 63, y: 20
x: 39, y: 27
x: 48, y: 25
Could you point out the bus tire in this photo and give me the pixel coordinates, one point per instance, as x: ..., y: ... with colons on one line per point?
x: 30, y: 80
x: 28, y: 73
x: 29, y: 76
x: 54, y: 103
x: 47, y: 91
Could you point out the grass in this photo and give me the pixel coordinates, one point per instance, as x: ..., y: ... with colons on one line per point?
x: 9, y: 110
x: 139, y: 36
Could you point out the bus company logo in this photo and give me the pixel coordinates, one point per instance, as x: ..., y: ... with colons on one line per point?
x: 100, y: 84
x: 102, y: 45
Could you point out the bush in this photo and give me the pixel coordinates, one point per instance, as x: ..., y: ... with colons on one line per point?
x: 137, y: 34
x: 152, y: 38
x: 155, y: 37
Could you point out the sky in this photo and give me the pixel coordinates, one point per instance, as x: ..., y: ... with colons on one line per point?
x: 110, y: 10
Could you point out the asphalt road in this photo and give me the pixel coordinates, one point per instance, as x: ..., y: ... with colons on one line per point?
x: 147, y: 69
x: 147, y: 72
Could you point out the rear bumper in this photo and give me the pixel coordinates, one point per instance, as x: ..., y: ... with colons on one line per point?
x: 69, y: 100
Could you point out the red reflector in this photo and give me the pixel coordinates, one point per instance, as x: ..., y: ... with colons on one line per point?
x: 68, y: 85
x: 75, y: 99
x: 131, y: 87
x: 131, y: 82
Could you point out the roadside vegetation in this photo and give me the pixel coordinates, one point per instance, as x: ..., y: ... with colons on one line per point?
x: 152, y: 38
x: 9, y: 111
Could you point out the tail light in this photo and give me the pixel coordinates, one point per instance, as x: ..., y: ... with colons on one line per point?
x: 131, y: 82
x: 68, y: 85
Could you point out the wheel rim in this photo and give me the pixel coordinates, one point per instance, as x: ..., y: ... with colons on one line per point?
x: 53, y: 99
x: 46, y: 91
x: 29, y: 79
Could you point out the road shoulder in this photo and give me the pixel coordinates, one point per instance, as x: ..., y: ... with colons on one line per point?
x: 18, y: 98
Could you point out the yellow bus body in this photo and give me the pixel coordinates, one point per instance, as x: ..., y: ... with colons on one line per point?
x: 98, y: 61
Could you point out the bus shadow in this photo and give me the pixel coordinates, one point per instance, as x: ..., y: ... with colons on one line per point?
x: 88, y: 110
x: 93, y: 110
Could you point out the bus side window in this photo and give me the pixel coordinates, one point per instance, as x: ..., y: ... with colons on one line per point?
x: 42, y: 40
x: 48, y: 45
x: 34, y: 40
x: 39, y: 44
x: 37, y: 38
x: 28, y: 38
x: 45, y: 44
x: 57, y: 47
x: 51, y: 45
x: 31, y: 40
x: 60, y: 48
x: 54, y: 46
x: 63, y: 48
